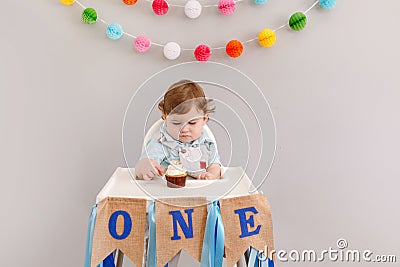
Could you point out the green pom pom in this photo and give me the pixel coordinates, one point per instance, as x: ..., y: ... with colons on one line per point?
x: 298, y: 21
x: 89, y: 15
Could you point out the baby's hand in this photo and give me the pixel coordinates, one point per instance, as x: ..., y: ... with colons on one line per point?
x: 207, y: 176
x: 148, y: 168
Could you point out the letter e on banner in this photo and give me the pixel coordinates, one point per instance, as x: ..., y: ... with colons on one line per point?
x: 249, y: 221
x: 245, y: 222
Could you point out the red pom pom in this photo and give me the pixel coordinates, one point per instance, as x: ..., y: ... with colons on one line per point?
x: 129, y: 2
x: 234, y: 48
x: 160, y: 7
x: 202, y: 52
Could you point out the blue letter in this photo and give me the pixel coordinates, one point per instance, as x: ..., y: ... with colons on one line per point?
x: 112, y: 224
x: 244, y: 222
x: 177, y: 217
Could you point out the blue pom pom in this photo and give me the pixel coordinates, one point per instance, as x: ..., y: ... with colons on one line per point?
x: 260, y: 2
x: 114, y: 31
x: 327, y: 4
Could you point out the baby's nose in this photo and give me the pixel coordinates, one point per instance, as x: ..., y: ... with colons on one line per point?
x: 185, y: 128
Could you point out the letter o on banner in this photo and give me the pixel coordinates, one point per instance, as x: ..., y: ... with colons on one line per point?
x: 112, y: 224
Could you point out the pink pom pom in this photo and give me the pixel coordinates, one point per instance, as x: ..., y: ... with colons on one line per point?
x: 227, y: 7
x: 142, y: 44
x: 202, y: 52
x: 160, y: 7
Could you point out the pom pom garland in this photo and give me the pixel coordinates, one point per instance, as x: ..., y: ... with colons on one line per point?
x: 114, y: 31
x: 260, y: 2
x: 67, y: 2
x: 202, y: 52
x: 327, y: 4
x: 234, y: 48
x: 267, y: 38
x: 89, y: 15
x: 129, y: 2
x: 172, y: 50
x: 160, y: 7
x: 142, y: 44
x: 193, y: 9
x: 227, y: 7
x: 298, y: 21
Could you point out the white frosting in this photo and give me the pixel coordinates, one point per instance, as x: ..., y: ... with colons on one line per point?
x: 175, y: 168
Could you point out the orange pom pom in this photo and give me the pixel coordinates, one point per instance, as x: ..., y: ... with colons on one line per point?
x: 234, y: 48
x: 129, y: 2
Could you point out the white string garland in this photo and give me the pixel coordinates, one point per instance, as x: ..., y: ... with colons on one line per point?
x: 267, y: 39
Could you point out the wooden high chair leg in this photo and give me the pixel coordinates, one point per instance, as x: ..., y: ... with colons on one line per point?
x: 119, y: 257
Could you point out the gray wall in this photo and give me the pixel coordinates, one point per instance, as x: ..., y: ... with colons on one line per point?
x: 333, y: 89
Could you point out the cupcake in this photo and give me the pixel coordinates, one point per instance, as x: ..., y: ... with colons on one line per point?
x: 176, y: 175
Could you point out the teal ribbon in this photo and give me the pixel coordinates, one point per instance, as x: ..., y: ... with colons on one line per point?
x: 151, y: 245
x: 259, y: 260
x: 213, y: 244
x: 89, y: 242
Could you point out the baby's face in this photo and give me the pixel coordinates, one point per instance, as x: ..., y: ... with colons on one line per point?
x: 186, y: 127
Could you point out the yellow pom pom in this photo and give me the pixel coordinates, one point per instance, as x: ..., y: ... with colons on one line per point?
x: 67, y: 2
x: 267, y: 38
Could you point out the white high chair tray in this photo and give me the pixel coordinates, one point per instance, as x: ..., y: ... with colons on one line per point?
x: 234, y: 182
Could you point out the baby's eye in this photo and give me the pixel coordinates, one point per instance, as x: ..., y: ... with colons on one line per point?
x: 192, y: 122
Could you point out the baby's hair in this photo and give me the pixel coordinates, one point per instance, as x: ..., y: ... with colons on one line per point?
x: 181, y: 96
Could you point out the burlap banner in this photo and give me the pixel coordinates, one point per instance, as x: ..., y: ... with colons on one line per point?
x: 180, y: 224
x: 247, y: 222
x: 120, y: 224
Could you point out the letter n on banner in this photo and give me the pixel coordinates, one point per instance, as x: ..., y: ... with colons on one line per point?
x: 120, y: 223
x: 248, y: 222
x: 180, y: 224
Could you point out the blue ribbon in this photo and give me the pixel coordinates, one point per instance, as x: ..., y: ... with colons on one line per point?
x: 259, y: 260
x: 213, y: 244
x: 109, y: 260
x: 89, y: 242
x: 151, y: 259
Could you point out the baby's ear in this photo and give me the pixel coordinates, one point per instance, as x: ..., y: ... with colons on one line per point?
x: 163, y: 117
x: 206, y: 118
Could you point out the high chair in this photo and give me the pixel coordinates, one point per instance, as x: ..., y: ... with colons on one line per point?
x: 154, y: 132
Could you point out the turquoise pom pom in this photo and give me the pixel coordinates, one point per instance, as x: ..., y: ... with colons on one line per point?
x: 327, y: 4
x: 260, y: 2
x: 114, y: 31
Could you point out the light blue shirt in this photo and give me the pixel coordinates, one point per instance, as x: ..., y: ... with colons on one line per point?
x: 166, y: 148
